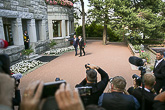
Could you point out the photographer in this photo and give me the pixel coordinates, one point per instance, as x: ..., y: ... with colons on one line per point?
x: 149, y: 81
x: 159, y: 102
x: 117, y: 100
x: 91, y: 80
x: 65, y: 97
x: 5, y: 69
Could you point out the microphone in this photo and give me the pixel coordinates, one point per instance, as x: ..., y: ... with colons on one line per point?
x: 136, y: 61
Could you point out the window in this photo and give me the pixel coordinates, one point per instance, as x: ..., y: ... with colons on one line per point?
x: 37, y: 29
x: 8, y: 31
x: 56, y: 28
x: 66, y: 27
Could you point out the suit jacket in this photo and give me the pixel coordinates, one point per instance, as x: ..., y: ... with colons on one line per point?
x: 81, y: 43
x: 159, y: 71
x: 148, y: 97
x: 75, y: 43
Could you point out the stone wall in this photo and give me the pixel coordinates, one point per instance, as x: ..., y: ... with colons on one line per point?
x: 63, y: 14
x: 29, y: 10
x: 14, y: 52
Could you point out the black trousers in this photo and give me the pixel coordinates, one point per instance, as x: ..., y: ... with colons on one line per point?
x: 158, y: 86
x: 82, y: 49
x: 26, y: 45
x: 75, y: 47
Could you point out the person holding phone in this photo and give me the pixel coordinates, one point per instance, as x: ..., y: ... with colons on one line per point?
x: 65, y: 97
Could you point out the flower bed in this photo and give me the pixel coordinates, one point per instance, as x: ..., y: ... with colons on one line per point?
x: 24, y: 66
x: 60, y: 2
x: 59, y: 50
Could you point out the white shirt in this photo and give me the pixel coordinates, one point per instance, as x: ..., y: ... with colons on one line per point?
x: 145, y: 89
x: 158, y: 61
x: 75, y: 39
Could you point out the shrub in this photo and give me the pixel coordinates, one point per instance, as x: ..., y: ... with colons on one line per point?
x: 28, y: 51
x: 52, y: 43
x: 145, y: 55
x: 137, y: 47
x: 96, y: 30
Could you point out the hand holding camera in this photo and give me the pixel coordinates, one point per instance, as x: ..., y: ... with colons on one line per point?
x: 91, y: 66
x: 31, y: 98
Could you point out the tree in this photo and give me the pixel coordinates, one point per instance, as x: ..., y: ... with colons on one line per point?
x: 82, y: 11
x: 83, y: 20
x: 101, y: 13
x: 137, y: 17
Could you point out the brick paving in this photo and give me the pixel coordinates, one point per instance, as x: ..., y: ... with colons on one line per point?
x: 113, y: 58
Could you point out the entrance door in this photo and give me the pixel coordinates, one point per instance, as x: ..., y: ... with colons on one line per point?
x: 8, y: 33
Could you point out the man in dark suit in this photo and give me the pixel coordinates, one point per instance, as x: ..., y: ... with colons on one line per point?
x: 81, y: 45
x: 159, y: 71
x: 75, y: 43
x: 116, y: 99
x: 149, y: 81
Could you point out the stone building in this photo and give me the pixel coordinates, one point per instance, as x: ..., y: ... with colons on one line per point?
x: 32, y: 15
x: 60, y: 22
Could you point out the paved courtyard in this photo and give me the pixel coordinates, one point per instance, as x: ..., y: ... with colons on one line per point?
x: 113, y: 58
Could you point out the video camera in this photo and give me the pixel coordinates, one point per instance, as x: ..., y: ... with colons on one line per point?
x: 137, y: 79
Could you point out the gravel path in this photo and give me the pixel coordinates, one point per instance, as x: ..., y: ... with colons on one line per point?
x: 113, y: 58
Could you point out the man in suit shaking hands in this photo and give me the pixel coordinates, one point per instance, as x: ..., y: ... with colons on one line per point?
x: 81, y: 45
x: 75, y: 43
x: 159, y: 71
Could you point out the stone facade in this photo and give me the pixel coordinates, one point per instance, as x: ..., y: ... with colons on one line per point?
x: 65, y: 18
x: 19, y: 15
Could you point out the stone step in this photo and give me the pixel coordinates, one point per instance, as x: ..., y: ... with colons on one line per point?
x: 34, y: 56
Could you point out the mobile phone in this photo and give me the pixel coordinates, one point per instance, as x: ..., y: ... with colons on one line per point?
x: 50, y: 88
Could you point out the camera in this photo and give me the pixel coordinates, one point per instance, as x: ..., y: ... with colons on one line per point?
x: 85, y: 91
x: 50, y: 88
x: 138, y: 79
x: 85, y: 94
x: 86, y: 66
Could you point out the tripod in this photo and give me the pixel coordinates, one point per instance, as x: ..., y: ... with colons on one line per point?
x: 143, y: 71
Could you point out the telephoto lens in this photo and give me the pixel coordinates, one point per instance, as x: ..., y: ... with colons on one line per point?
x: 135, y: 76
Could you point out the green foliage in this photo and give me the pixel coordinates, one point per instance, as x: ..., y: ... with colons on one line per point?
x: 137, y: 47
x: 152, y: 68
x: 130, y: 16
x: 28, y: 51
x: 96, y: 30
x: 145, y: 55
x: 52, y: 43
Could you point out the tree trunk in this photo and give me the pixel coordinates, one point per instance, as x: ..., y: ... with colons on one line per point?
x: 83, y: 20
x: 105, y: 34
